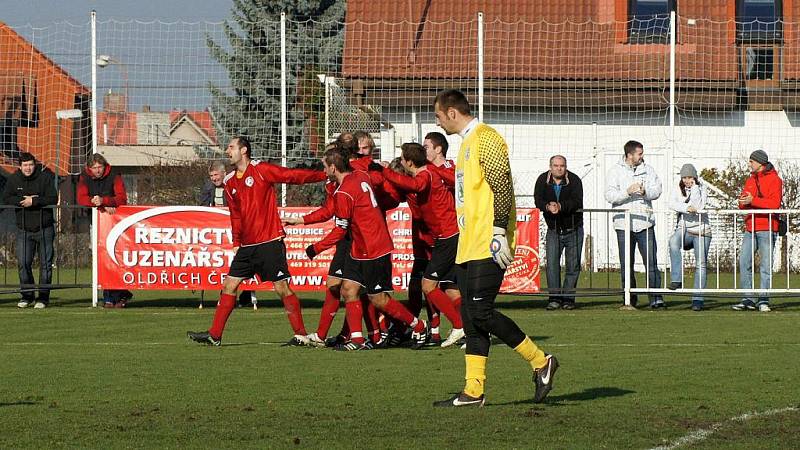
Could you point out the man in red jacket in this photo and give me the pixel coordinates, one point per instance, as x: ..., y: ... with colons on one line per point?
x: 762, y: 190
x: 101, y: 187
x: 257, y: 237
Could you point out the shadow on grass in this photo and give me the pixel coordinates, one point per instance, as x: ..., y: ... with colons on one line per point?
x: 585, y: 395
x: 18, y: 403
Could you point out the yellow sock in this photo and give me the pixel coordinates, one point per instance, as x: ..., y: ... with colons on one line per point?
x: 531, y: 353
x: 476, y: 375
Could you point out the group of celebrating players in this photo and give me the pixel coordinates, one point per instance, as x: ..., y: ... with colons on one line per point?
x: 463, y: 237
x: 359, y: 192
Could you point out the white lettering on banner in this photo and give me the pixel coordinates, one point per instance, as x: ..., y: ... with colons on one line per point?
x: 146, y: 278
x: 175, y: 236
x: 305, y: 231
x: 523, y: 217
x: 402, y: 281
x: 307, y: 280
x: 401, y: 232
x: 400, y: 215
x: 177, y: 258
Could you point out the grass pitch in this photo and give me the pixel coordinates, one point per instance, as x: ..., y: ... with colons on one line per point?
x: 74, y: 376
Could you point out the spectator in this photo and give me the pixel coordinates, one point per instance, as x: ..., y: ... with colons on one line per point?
x: 213, y: 194
x: 558, y: 193
x: 101, y: 187
x: 633, y: 185
x: 32, y: 189
x: 762, y: 190
x: 692, y: 231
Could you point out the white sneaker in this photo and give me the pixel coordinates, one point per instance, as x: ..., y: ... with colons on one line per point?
x: 39, y: 305
x: 455, y: 335
x: 24, y: 304
x: 764, y: 307
x: 315, y: 341
x: 463, y: 346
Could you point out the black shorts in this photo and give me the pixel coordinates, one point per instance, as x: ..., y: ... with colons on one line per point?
x: 479, y: 280
x: 267, y: 260
x: 418, y: 269
x: 374, y: 274
x: 336, y: 269
x: 443, y: 260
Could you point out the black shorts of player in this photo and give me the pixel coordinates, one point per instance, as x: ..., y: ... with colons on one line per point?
x: 267, y: 260
x: 336, y: 268
x: 443, y: 260
x: 374, y: 274
x: 418, y: 269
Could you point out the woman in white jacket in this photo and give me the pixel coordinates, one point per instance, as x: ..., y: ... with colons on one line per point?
x: 692, y: 231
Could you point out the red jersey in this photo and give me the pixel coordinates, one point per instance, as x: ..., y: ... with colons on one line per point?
x: 252, y: 202
x: 387, y: 195
x: 357, y: 210
x: 434, y: 199
x: 324, y: 212
x: 421, y: 237
x: 447, y: 171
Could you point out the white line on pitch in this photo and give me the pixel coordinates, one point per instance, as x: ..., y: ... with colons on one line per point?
x: 702, y: 434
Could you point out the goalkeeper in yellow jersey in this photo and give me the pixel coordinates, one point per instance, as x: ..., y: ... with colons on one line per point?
x: 486, y: 217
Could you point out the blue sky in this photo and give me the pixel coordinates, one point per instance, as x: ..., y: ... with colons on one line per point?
x: 42, y: 12
x: 165, y: 65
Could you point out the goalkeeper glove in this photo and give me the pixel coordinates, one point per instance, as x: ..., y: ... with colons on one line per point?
x: 499, y: 248
x: 310, y: 252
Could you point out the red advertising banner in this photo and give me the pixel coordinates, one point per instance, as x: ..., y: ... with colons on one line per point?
x: 190, y: 247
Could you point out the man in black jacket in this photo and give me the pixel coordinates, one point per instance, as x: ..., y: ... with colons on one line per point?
x: 559, y: 195
x: 31, y: 189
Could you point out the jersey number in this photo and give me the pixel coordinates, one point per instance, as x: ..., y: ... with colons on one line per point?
x: 367, y: 188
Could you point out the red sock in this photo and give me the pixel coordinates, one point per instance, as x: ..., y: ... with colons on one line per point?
x: 226, y: 304
x: 292, y: 306
x: 433, y: 315
x: 399, y: 312
x: 371, y: 319
x: 441, y: 301
x: 457, y: 303
x: 329, y: 309
x: 354, y: 313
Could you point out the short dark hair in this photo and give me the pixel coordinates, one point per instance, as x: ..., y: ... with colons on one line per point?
x: 96, y: 158
x: 557, y: 156
x: 438, y: 140
x: 415, y: 153
x: 338, y: 158
x: 345, y: 136
x: 25, y: 157
x: 452, y: 98
x: 631, y: 147
x: 244, y: 142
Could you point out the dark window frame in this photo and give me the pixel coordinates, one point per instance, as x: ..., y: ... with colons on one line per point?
x: 773, y: 82
x: 749, y: 32
x: 635, y: 36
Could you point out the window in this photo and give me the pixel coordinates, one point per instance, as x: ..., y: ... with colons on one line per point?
x: 649, y: 21
x: 761, y: 66
x: 759, y: 20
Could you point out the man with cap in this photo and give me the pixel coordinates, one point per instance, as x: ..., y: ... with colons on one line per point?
x: 762, y: 190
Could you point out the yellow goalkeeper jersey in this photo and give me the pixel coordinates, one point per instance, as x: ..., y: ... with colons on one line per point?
x: 484, y: 193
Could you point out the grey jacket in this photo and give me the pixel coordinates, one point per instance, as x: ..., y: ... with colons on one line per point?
x: 696, y: 196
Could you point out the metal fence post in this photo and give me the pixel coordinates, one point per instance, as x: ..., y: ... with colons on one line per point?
x: 93, y: 63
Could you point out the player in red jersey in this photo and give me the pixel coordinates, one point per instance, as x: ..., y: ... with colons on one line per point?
x: 438, y: 210
x: 369, y: 264
x: 436, y: 150
x: 257, y: 236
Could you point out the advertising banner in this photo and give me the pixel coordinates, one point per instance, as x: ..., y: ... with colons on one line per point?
x: 190, y: 247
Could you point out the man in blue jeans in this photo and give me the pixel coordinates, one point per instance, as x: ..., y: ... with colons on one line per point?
x: 32, y: 189
x: 633, y: 185
x: 762, y: 190
x: 558, y: 193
